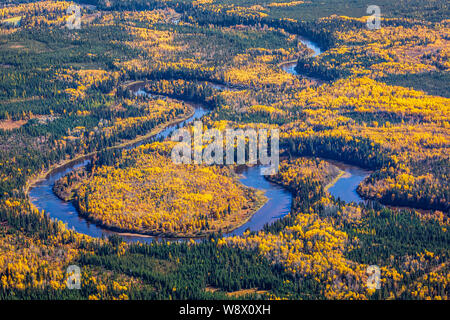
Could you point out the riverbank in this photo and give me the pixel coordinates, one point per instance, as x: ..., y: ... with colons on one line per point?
x: 342, y: 174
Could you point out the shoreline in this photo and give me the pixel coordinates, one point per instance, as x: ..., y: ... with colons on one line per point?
x: 315, y: 80
x: 342, y: 174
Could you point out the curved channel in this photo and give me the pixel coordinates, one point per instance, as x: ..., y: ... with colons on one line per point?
x: 277, y: 206
x: 43, y: 198
x: 345, y: 187
x: 290, y: 66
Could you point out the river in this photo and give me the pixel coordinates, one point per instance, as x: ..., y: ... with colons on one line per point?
x: 42, y: 196
x: 277, y: 206
x: 345, y: 187
x: 290, y: 66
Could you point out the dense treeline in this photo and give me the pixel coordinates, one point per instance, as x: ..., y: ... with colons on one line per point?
x: 205, y: 15
x: 360, y: 153
x: 411, y: 190
x: 434, y: 83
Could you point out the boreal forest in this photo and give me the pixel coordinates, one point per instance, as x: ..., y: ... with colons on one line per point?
x: 92, y: 91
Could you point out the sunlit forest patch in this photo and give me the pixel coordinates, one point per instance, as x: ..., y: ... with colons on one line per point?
x: 145, y: 192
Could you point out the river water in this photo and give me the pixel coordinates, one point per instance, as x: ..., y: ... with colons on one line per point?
x: 345, y: 187
x: 43, y: 197
x: 289, y: 67
x: 311, y: 45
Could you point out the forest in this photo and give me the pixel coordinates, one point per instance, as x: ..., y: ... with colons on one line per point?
x: 377, y: 99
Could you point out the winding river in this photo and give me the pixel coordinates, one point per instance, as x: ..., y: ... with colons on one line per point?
x: 277, y: 206
x: 291, y: 65
x: 42, y: 196
x: 345, y: 187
